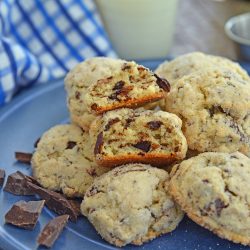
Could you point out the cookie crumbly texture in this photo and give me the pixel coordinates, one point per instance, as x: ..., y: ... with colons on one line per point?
x: 213, y: 189
x: 132, y: 86
x: 131, y: 204
x: 64, y: 162
x: 143, y: 136
x: 214, y: 106
x: 191, y: 62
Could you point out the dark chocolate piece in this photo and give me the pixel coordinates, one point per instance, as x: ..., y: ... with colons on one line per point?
x: 36, y: 142
x: 76, y: 204
x: 2, y: 177
x: 119, y: 85
x: 17, y: 184
x: 71, y: 144
x: 154, y: 125
x: 24, y: 214
x: 77, y: 95
x: 162, y: 83
x: 110, y: 123
x: 52, y: 230
x: 99, y: 143
x: 23, y: 157
x: 219, y: 205
x: 143, y: 145
x: 55, y: 201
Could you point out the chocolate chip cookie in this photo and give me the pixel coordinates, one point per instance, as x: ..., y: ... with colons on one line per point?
x: 64, y: 162
x: 128, y: 136
x: 213, y: 189
x: 214, y: 105
x: 131, y: 204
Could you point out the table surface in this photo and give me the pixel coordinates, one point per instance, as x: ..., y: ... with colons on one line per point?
x: 200, y: 27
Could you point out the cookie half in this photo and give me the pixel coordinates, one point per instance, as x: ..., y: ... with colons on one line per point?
x: 80, y: 78
x: 130, y: 204
x: 128, y: 136
x: 214, y: 105
x: 213, y: 189
x: 133, y: 86
x: 64, y: 162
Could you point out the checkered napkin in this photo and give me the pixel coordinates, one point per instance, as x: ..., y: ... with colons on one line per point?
x: 40, y: 40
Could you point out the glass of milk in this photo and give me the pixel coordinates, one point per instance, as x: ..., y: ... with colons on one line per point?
x: 139, y: 29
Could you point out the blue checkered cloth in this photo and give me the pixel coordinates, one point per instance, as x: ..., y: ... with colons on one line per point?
x: 40, y: 40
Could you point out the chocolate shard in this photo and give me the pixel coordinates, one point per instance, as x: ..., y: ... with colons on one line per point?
x: 219, y: 205
x: 162, y: 83
x: 24, y: 214
x: 119, y: 85
x: 52, y: 230
x: 76, y: 204
x: 55, y: 201
x: 143, y: 145
x: 2, y: 177
x: 154, y: 125
x: 17, y: 184
x: 23, y: 157
x: 110, y: 123
x: 71, y: 144
x: 36, y: 142
x: 99, y: 143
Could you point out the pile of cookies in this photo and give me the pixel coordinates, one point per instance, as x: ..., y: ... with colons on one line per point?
x: 146, y: 147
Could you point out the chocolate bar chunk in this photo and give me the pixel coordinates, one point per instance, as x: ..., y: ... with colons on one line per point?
x: 2, y: 177
x: 24, y: 214
x: 52, y: 230
x: 17, y: 184
x: 55, y: 201
x: 23, y: 157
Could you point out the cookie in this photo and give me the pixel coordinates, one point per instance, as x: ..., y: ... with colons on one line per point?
x: 80, y: 78
x: 190, y: 63
x: 131, y: 204
x: 132, y: 86
x: 64, y: 162
x: 214, y: 105
x: 213, y: 189
x: 128, y: 136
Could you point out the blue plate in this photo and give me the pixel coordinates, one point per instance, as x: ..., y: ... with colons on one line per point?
x: 21, y: 123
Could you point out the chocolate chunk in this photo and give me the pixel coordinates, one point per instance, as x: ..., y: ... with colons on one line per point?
x: 77, y: 95
x: 76, y: 204
x: 24, y: 214
x: 17, y: 184
x: 71, y: 144
x: 153, y: 125
x: 143, y: 145
x: 119, y: 85
x: 36, y: 142
x: 23, y: 157
x: 128, y: 121
x: 52, y: 230
x: 94, y: 107
x: 2, y: 177
x: 162, y: 83
x: 92, y: 172
x: 216, y: 109
x: 110, y: 123
x: 205, y: 181
x: 55, y: 201
x: 99, y: 143
x: 126, y: 67
x: 219, y: 205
